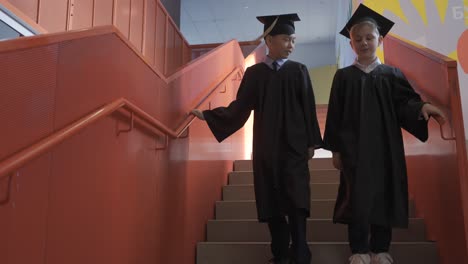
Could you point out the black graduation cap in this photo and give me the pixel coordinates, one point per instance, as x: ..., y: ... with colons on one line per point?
x: 281, y: 24
x: 363, y: 13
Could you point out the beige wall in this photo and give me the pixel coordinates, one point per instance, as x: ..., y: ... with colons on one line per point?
x: 322, y: 78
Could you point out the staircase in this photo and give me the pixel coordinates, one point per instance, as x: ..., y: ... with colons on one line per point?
x: 236, y: 237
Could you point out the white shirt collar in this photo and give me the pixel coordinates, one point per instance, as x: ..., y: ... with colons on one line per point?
x: 269, y: 61
x: 369, y: 67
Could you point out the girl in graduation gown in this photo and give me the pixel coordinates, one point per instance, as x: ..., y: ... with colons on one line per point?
x: 369, y: 103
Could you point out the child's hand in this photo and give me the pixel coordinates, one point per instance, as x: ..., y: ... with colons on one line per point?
x: 337, y: 161
x: 198, y: 114
x: 311, y: 153
x: 429, y: 110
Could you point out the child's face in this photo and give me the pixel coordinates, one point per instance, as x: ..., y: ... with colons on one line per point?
x: 364, y: 41
x: 281, y: 46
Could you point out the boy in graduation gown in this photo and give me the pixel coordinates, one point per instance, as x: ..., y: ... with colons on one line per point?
x: 286, y: 132
x: 369, y: 102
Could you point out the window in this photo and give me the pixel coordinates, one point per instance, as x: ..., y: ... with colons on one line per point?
x: 12, y: 27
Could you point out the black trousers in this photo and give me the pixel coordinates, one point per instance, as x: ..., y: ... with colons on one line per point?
x: 295, y: 228
x: 380, y: 238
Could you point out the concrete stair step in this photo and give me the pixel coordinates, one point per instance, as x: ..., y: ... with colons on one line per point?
x: 318, y: 230
x: 244, y: 192
x: 316, y: 176
x: 318, y: 163
x: 237, y: 237
x: 319, y: 209
x: 322, y: 253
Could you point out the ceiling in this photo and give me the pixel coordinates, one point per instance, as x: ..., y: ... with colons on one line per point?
x: 215, y: 21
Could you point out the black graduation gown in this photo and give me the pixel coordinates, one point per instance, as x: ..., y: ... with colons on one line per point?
x: 285, y: 126
x: 365, y: 114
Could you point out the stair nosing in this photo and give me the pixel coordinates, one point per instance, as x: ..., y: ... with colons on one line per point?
x: 308, y: 219
x: 312, y: 183
x: 250, y: 201
x: 309, y: 170
x: 320, y: 243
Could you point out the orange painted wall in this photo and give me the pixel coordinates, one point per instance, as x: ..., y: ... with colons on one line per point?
x: 100, y: 197
x: 437, y: 169
x: 144, y: 22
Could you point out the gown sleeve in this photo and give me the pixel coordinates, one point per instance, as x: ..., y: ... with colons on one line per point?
x: 334, y: 115
x: 224, y: 121
x: 314, y: 138
x: 408, y: 106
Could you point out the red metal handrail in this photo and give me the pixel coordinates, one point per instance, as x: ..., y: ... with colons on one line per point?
x: 17, y: 160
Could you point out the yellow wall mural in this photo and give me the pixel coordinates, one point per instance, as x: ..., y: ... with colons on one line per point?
x: 465, y: 11
x: 442, y: 6
x: 393, y: 6
x: 443, y: 9
x: 322, y: 78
